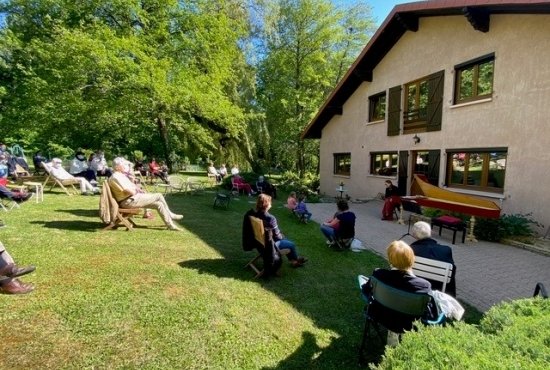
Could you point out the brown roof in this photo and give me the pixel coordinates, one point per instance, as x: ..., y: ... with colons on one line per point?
x: 402, y: 18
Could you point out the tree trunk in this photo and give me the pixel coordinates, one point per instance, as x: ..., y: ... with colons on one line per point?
x: 163, y: 133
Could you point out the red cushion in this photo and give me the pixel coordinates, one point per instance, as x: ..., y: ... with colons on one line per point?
x: 450, y: 220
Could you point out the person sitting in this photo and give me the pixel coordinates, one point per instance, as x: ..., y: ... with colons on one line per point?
x: 37, y: 161
x: 157, y: 171
x: 400, y: 276
x: 391, y: 201
x: 342, y: 224
x: 291, y: 201
x: 263, y: 205
x: 301, y: 209
x: 16, y: 195
x: 98, y: 164
x: 222, y: 171
x: 128, y: 195
x: 61, y: 174
x: 4, y: 170
x: 241, y: 184
x: 426, y: 247
x: 212, y: 171
x: 9, y: 273
x: 79, y: 168
x: 234, y: 170
x: 263, y: 186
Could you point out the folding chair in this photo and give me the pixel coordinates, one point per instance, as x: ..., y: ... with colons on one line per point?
x: 261, y: 236
x: 115, y: 216
x: 236, y: 187
x: 7, y: 204
x: 177, y: 184
x: 63, y: 184
x: 393, y: 309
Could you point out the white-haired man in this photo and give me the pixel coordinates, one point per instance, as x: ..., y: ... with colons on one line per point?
x: 60, y: 173
x: 128, y: 195
x: 426, y: 247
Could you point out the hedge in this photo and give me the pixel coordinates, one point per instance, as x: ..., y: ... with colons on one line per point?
x: 512, y: 335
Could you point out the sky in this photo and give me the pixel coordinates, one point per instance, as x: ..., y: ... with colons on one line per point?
x: 380, y: 8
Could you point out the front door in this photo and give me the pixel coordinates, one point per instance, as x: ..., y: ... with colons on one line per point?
x: 426, y: 162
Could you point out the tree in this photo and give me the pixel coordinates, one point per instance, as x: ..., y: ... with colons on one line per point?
x: 87, y: 73
x: 308, y: 45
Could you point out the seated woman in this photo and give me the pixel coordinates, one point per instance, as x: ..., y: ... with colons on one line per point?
x: 57, y: 171
x: 157, y: 170
x: 238, y: 182
x: 342, y: 224
x: 401, y: 258
x: 391, y: 201
x: 79, y: 168
x: 263, y: 205
x: 212, y: 171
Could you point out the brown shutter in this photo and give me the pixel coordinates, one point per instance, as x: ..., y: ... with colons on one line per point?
x: 433, y: 166
x: 394, y: 111
x: 435, y: 101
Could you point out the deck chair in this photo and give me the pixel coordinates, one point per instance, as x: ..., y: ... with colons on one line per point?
x: 66, y: 185
x: 112, y: 214
x: 7, y: 204
x: 387, y: 306
x: 263, y: 238
x: 20, y: 171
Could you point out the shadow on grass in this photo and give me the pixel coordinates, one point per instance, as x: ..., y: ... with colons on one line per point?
x: 81, y: 212
x: 70, y: 225
x: 325, y: 290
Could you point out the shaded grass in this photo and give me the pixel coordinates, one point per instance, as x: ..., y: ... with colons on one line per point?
x: 156, y: 299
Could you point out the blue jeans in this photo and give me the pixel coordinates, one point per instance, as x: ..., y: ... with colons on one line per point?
x: 287, y: 244
x: 329, y: 232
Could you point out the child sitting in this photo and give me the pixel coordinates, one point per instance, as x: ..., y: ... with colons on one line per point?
x: 301, y: 209
x: 291, y: 201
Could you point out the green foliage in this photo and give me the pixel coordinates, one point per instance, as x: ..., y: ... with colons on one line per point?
x: 512, y: 335
x: 507, y: 226
x: 308, y: 185
x: 59, y: 151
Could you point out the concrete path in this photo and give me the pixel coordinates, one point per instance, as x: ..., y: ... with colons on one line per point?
x: 487, y: 273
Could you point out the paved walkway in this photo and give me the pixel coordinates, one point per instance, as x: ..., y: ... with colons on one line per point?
x: 487, y: 273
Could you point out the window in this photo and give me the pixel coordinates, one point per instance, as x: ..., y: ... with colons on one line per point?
x: 383, y: 163
x: 377, y: 107
x: 480, y: 169
x: 342, y: 164
x: 416, y: 105
x: 474, y: 79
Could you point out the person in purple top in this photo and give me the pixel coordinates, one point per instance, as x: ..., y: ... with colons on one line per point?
x: 342, y: 225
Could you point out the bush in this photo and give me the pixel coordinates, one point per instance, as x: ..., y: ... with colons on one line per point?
x: 507, y: 226
x: 511, y: 335
x: 309, y: 185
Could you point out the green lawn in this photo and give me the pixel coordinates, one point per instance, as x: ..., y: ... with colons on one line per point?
x: 156, y: 299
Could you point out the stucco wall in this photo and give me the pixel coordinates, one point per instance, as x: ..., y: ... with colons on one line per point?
x: 517, y: 117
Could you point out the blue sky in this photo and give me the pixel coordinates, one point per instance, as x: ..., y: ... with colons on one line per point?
x: 380, y: 8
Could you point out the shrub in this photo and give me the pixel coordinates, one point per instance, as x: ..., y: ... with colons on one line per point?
x: 511, y: 335
x: 507, y: 226
x: 309, y: 185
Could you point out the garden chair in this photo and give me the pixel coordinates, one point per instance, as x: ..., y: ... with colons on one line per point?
x: 433, y: 270
x: 236, y: 187
x: 66, y: 185
x: 112, y: 214
x: 7, y: 204
x: 267, y: 251
x: 195, y: 184
x: 392, y: 301
x: 177, y: 184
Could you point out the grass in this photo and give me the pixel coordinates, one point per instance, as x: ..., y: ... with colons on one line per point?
x: 155, y: 299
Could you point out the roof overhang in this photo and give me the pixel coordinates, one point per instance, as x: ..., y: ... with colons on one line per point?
x: 403, y: 18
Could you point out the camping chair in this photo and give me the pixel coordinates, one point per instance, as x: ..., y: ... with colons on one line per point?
x: 261, y: 236
x: 63, y: 184
x: 392, y: 301
x: 112, y: 214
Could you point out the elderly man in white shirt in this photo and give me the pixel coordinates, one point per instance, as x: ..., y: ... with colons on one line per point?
x: 128, y: 195
x: 99, y: 165
x: 61, y: 174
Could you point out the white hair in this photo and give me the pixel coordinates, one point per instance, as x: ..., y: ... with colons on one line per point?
x: 119, y: 161
x: 421, y: 230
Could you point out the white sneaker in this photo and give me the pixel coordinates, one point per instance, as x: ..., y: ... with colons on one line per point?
x: 177, y: 217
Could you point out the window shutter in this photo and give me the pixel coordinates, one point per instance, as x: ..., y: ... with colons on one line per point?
x: 433, y: 166
x: 435, y: 101
x: 394, y: 111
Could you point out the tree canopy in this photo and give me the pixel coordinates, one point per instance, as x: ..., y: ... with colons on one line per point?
x: 212, y: 78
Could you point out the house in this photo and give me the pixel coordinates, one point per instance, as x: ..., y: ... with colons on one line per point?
x: 456, y: 90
